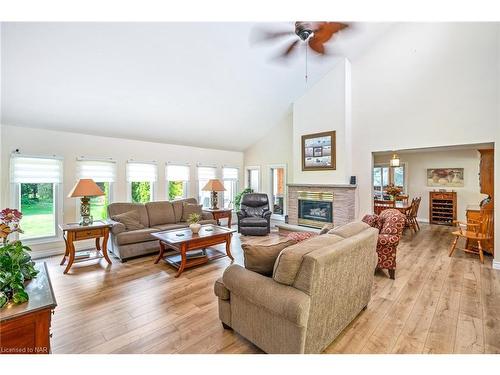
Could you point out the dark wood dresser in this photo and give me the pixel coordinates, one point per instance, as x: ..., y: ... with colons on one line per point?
x: 25, y: 328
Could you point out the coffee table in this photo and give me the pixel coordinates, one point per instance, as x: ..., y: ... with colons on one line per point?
x: 183, y: 243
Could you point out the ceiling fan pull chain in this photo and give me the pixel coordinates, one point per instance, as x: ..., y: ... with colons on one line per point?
x: 306, y: 63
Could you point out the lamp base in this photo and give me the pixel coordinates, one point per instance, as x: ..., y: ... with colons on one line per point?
x: 215, y: 200
x: 86, y: 219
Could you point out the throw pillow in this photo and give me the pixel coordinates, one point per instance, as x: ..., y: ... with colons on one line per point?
x: 300, y: 236
x: 325, y: 229
x: 261, y: 258
x: 130, y: 219
x: 190, y: 208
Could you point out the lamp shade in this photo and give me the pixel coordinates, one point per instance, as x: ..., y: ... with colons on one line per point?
x: 85, y: 187
x: 213, y: 185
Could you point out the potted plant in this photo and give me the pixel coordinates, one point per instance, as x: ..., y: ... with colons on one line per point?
x: 237, y: 198
x: 194, y: 223
x: 16, y: 266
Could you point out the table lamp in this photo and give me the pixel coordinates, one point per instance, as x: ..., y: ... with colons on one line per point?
x: 214, y: 186
x: 85, y: 188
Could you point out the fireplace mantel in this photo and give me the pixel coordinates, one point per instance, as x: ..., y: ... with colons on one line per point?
x: 343, y: 201
x: 345, y: 186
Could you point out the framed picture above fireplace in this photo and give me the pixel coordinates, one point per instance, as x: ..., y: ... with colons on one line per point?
x: 319, y: 151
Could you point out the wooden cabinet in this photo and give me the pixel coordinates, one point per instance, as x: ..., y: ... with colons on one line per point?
x: 25, y: 328
x: 442, y: 207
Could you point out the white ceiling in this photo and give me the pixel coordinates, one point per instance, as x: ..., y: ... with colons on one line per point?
x: 201, y: 84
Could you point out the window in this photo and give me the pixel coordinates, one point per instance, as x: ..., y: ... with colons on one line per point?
x: 104, y: 175
x: 253, y: 178
x: 278, y: 190
x: 230, y: 180
x: 36, y: 188
x: 205, y: 174
x: 141, y: 178
x: 177, y: 181
x: 383, y: 175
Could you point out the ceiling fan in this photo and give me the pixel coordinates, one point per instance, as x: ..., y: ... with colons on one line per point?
x: 315, y: 34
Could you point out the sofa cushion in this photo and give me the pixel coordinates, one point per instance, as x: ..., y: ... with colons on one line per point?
x: 136, y: 236
x: 349, y: 229
x: 208, y: 221
x: 178, y: 207
x: 253, y: 222
x: 130, y: 219
x: 190, y: 208
x: 261, y: 258
x: 161, y: 212
x: 165, y: 227
x: 122, y: 207
x: 290, y: 259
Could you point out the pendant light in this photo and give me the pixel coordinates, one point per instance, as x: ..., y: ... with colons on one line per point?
x: 395, y: 160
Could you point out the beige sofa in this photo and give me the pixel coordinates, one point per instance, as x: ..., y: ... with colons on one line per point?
x: 318, y: 287
x: 155, y: 216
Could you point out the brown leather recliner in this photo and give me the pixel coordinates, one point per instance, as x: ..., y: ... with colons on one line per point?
x: 254, y: 217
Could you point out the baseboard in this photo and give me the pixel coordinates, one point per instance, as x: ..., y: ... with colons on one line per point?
x: 496, y: 264
x: 46, y: 253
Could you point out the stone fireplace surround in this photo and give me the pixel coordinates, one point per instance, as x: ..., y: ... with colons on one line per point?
x: 343, y: 201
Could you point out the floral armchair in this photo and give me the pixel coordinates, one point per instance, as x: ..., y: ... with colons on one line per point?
x: 390, y: 224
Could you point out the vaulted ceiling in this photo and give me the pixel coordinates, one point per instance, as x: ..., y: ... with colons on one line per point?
x: 201, y: 84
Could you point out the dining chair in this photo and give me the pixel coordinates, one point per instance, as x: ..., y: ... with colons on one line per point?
x: 412, y: 214
x: 381, y: 205
x: 476, y: 231
x: 403, y: 198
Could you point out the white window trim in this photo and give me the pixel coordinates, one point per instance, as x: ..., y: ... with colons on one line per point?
x: 236, y: 181
x: 187, y: 184
x: 198, y: 186
x: 380, y: 165
x: 249, y: 168
x: 285, y: 197
x: 58, y: 210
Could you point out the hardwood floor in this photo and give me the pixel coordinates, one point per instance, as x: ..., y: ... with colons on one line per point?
x: 436, y: 304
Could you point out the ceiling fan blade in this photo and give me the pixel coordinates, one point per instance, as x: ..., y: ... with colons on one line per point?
x: 259, y: 35
x: 325, y: 30
x: 316, y: 45
x: 290, y: 48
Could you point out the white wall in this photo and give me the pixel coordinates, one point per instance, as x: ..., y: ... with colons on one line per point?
x: 417, y: 164
x: 72, y: 145
x: 425, y: 85
x: 275, y: 148
x: 324, y: 107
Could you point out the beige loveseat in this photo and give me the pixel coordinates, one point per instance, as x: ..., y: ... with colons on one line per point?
x: 318, y: 287
x: 155, y: 217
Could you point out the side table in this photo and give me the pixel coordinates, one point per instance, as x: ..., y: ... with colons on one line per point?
x: 220, y: 213
x: 75, y: 232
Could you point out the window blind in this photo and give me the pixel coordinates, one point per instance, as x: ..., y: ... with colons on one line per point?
x: 35, y: 170
x: 206, y: 173
x: 177, y: 172
x: 230, y: 173
x: 99, y: 171
x: 142, y: 172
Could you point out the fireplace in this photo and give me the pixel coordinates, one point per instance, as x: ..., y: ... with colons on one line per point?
x: 315, y: 209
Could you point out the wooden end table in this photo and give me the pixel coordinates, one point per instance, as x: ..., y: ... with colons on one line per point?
x: 75, y: 232
x: 220, y: 213
x: 183, y: 242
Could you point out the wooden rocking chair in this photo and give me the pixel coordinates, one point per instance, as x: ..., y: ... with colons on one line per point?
x: 474, y: 231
